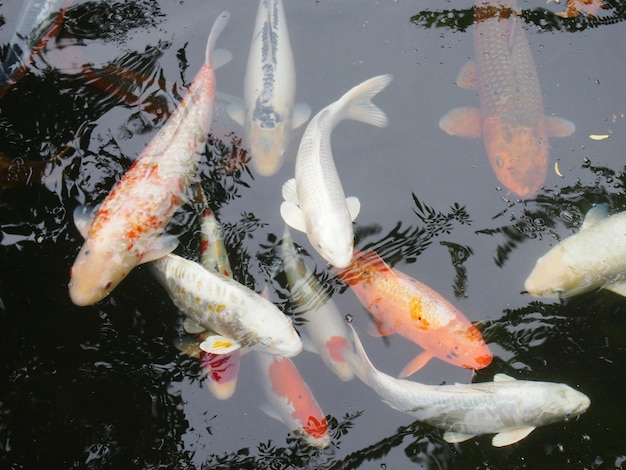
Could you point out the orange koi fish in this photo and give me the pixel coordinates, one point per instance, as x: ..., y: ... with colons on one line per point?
x: 403, y: 305
x: 291, y: 400
x: 511, y: 117
x: 126, y: 229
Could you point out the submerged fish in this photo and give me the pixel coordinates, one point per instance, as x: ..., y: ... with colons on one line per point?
x: 403, y: 305
x: 510, y: 408
x: 511, y: 118
x: 591, y: 259
x: 239, y: 316
x: 314, y: 200
x: 268, y: 114
x: 127, y: 227
x: 291, y: 400
x: 326, y: 330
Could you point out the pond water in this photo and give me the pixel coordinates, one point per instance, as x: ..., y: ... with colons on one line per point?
x: 105, y: 386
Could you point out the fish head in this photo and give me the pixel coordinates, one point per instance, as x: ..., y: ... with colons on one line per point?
x: 279, y: 340
x: 553, y: 276
x: 268, y: 146
x: 518, y: 155
x: 560, y: 402
x: 335, y: 246
x: 95, y: 273
x: 461, y: 345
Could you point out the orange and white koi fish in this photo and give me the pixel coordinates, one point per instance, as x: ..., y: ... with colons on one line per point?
x: 511, y: 118
x: 291, y: 400
x: 126, y: 229
x: 403, y: 305
x: 326, y: 330
x: 268, y: 114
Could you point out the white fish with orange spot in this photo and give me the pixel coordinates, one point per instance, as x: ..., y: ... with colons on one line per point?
x: 315, y: 202
x: 268, y: 113
x: 127, y: 228
x: 291, y: 401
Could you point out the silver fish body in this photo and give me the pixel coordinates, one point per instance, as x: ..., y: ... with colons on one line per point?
x: 221, y: 304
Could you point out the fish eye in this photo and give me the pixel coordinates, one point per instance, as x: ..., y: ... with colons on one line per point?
x: 499, y: 162
x: 266, y: 341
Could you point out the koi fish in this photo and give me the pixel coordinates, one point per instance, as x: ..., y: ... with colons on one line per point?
x: 239, y: 316
x: 314, y: 200
x: 37, y: 24
x: 511, y: 118
x: 127, y: 228
x: 508, y: 407
x: 268, y: 114
x: 591, y: 259
x: 578, y: 7
x: 403, y: 305
x: 323, y: 323
x: 291, y: 400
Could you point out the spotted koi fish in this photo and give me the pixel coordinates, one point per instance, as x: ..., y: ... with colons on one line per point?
x: 403, y: 305
x: 291, y: 400
x: 127, y: 228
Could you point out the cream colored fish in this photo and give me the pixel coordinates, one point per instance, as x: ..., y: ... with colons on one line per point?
x: 218, y: 303
x: 268, y: 114
x: 591, y: 259
x: 315, y: 202
x: 127, y: 228
x: 510, y: 408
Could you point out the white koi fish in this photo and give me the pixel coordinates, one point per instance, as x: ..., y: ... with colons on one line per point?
x: 291, y: 401
x: 239, y: 316
x: 510, y: 408
x: 268, y: 114
x: 314, y: 200
x: 125, y: 231
x: 591, y: 259
x: 324, y: 324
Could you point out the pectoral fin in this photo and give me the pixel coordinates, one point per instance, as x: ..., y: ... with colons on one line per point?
x: 453, y: 437
x: 192, y: 327
x: 511, y: 436
x: 468, y: 78
x: 595, y: 215
x: 83, y: 217
x: 416, y: 364
x: 354, y: 207
x: 162, y: 246
x: 293, y: 216
x: 217, y: 344
x: 236, y: 113
x: 502, y: 378
x: 618, y: 288
x: 220, y: 57
x: 301, y: 114
x: 462, y: 122
x: 559, y: 127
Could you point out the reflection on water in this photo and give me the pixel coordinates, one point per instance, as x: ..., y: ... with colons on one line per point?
x: 99, y: 387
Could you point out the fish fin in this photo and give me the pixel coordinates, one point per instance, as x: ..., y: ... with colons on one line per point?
x: 307, y: 342
x: 293, y: 216
x: 357, y: 359
x: 192, y: 327
x: 354, y: 206
x: 220, y: 57
x: 468, y: 78
x: 617, y: 287
x: 353, y: 274
x: 462, y: 122
x: 289, y: 191
x: 454, y: 437
x: 236, y: 113
x: 358, y: 105
x: 270, y: 411
x: 83, y: 216
x: 218, y: 26
x: 188, y: 346
x: 162, y: 246
x: 502, y: 378
x: 595, y: 215
x: 511, y: 436
x: 301, y: 114
x: 380, y: 330
x: 222, y: 390
x: 218, y: 344
x: 416, y: 364
x: 558, y: 127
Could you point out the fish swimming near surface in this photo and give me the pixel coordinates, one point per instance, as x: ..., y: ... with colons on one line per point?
x: 403, y: 305
x: 315, y: 202
x: 268, y: 113
x: 291, y: 401
x: 239, y: 316
x: 511, y: 118
x: 591, y: 259
x: 326, y: 332
x: 127, y: 228
x: 39, y: 21
x: 510, y: 408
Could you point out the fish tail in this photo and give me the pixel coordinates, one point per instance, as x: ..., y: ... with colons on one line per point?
x: 357, y: 104
x: 358, y: 360
x: 224, y: 56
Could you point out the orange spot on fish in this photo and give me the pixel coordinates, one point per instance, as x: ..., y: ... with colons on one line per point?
x: 335, y: 345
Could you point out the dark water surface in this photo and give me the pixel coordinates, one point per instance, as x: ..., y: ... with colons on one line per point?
x: 105, y: 386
